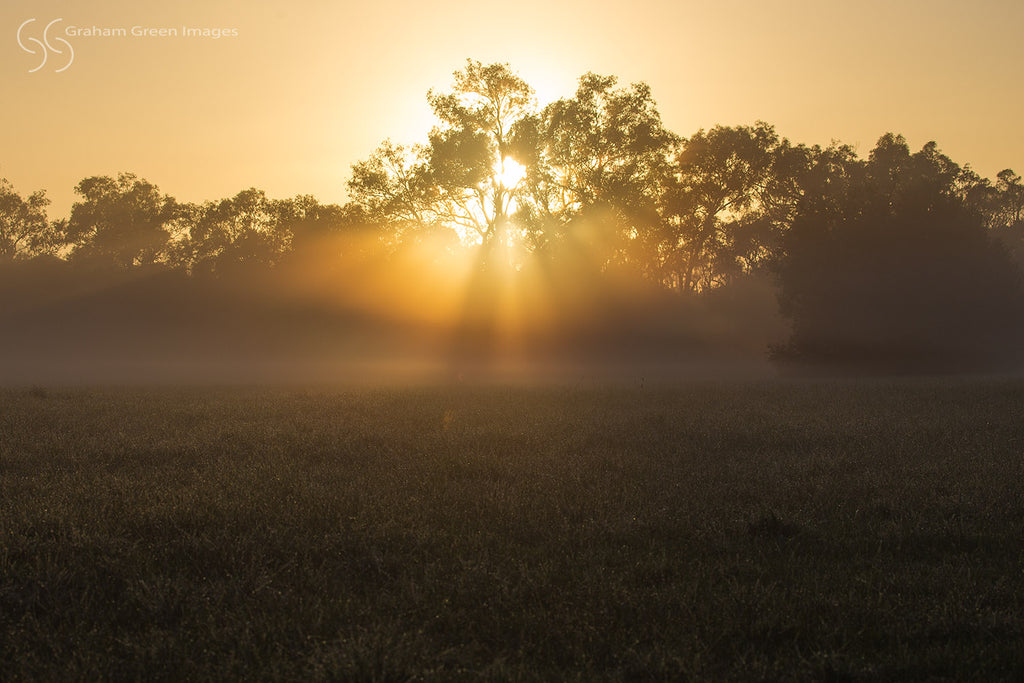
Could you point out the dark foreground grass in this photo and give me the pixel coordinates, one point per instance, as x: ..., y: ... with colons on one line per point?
x: 839, y: 531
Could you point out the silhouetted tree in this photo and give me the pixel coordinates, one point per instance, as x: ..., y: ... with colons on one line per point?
x: 591, y: 167
x: 459, y: 181
x: 895, y: 270
x: 898, y: 260
x: 470, y: 150
x: 1010, y: 197
x: 598, y: 162
x: 124, y: 221
x: 1002, y: 206
x: 305, y: 220
x: 393, y: 190
x: 732, y: 194
x: 1009, y: 223
x: 24, y: 229
x: 243, y: 231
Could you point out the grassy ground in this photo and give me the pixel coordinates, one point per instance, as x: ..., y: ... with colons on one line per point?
x: 786, y: 530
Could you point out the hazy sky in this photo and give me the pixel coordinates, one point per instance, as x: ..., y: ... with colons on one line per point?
x: 308, y: 87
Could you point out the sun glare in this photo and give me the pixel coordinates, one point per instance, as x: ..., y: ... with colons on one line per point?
x: 510, y: 172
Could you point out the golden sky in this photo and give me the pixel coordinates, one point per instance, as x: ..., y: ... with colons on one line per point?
x: 308, y: 87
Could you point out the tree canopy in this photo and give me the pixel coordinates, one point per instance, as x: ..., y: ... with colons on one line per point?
x: 879, y: 260
x: 896, y: 269
x: 24, y: 229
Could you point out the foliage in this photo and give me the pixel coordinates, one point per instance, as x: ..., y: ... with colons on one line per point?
x: 725, y: 204
x: 895, y: 270
x: 241, y: 231
x: 900, y: 259
x: 598, y: 163
x: 392, y: 188
x: 597, y: 156
x: 123, y: 221
x: 456, y: 181
x: 252, y: 232
x: 24, y: 229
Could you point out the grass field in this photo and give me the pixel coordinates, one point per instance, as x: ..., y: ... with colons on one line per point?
x: 775, y: 530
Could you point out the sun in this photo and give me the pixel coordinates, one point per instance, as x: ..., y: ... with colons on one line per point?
x: 509, y: 173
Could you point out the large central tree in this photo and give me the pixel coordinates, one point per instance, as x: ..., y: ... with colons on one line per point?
x: 470, y: 151
x: 463, y: 179
x: 499, y: 172
x: 596, y: 174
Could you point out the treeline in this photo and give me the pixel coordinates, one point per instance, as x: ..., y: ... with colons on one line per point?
x: 899, y: 260
x: 127, y: 222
